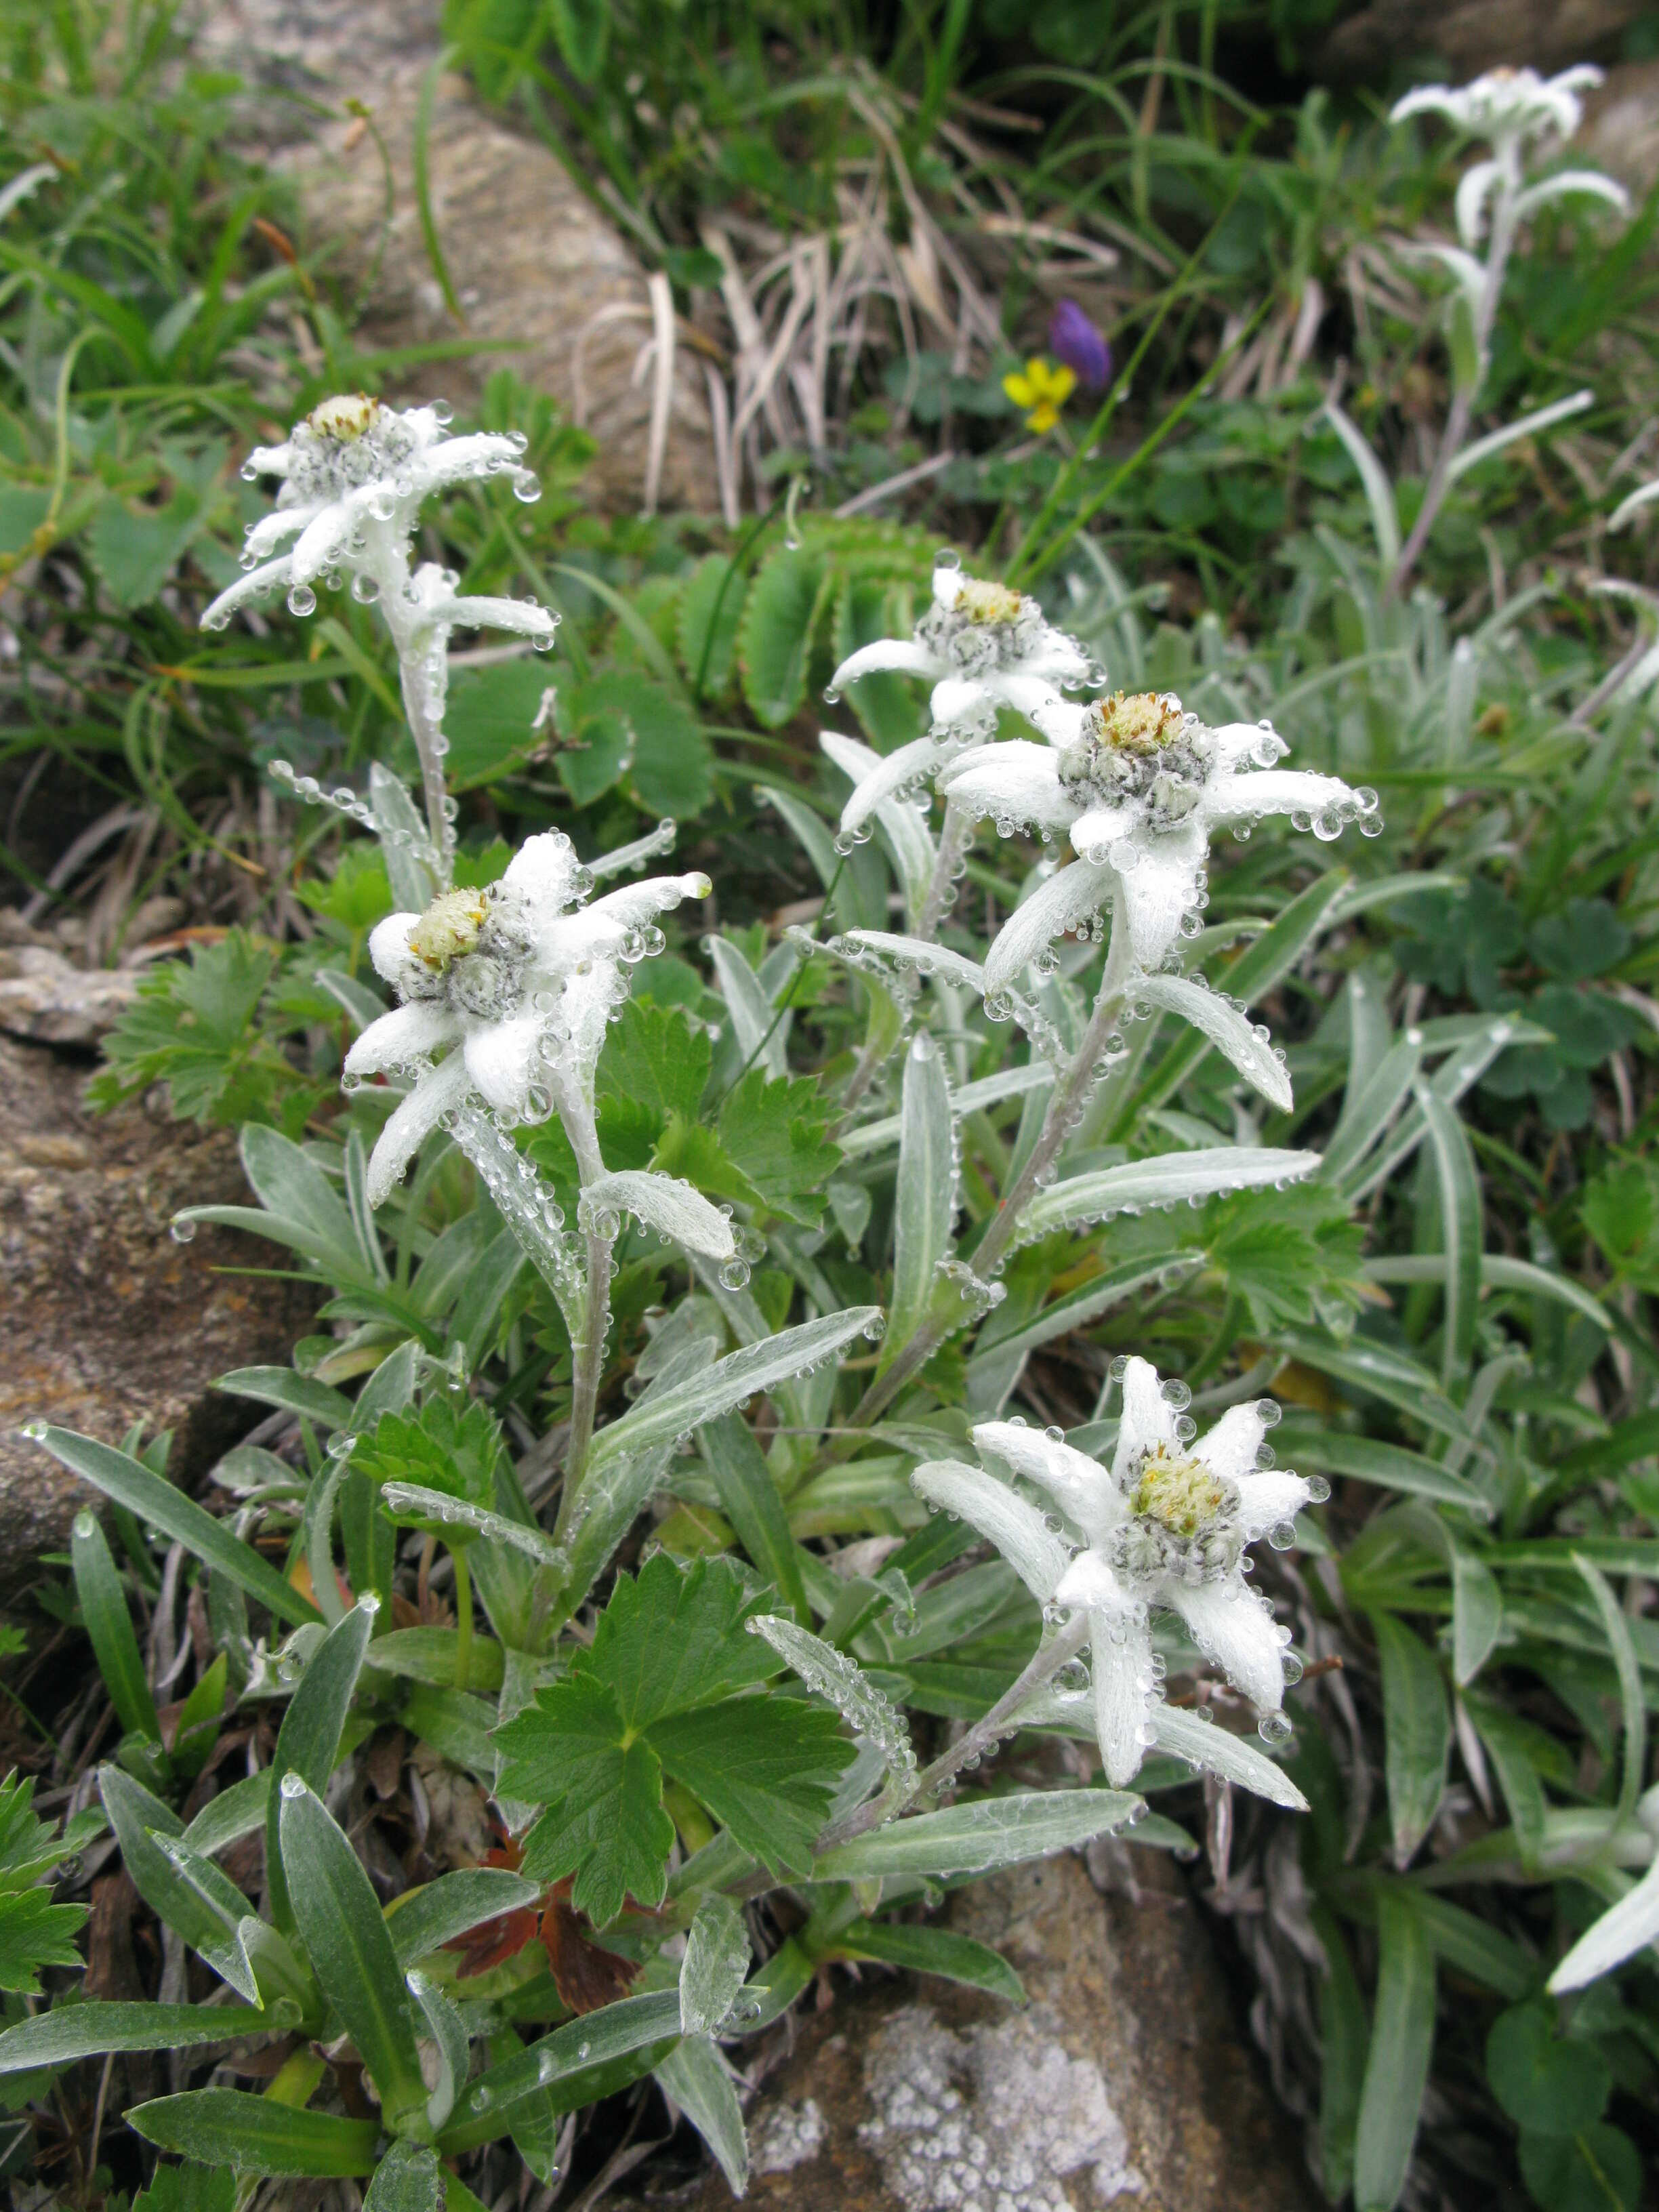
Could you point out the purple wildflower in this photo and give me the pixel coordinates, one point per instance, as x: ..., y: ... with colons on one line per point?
x: 1077, y: 341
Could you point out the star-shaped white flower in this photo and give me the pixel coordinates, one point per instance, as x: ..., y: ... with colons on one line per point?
x: 514, y: 986
x: 1163, y: 1528
x: 1506, y: 105
x: 981, y: 646
x: 1138, y: 785
x: 355, y: 473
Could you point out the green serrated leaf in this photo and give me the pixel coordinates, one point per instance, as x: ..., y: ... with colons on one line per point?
x: 777, y: 1129
x: 775, y: 642
x: 711, y: 608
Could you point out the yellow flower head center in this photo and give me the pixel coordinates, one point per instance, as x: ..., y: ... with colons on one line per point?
x: 1141, y: 722
x: 1180, y: 1492
x: 984, y: 602
x: 346, y: 417
x: 448, y: 928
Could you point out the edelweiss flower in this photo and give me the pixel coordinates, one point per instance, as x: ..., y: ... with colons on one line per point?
x: 1506, y: 105
x: 355, y: 473
x: 1516, y: 110
x: 1164, y: 1529
x: 516, y: 985
x: 982, y: 647
x: 1139, y: 785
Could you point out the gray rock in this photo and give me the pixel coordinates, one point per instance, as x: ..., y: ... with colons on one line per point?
x: 1469, y: 36
x: 1126, y: 2082
x: 1621, y: 129
x: 109, y: 1321
x: 533, y: 260
x: 48, y: 1000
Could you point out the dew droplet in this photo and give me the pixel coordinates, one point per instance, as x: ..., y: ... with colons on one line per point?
x: 182, y: 1231
x: 294, y: 1785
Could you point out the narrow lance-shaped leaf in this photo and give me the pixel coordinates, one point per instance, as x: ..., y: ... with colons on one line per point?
x: 1232, y: 1035
x: 109, y: 1625
x: 717, y: 1955
x: 309, y: 1741
x: 1397, y: 2064
x: 975, y: 1838
x: 699, y: 2080
x: 1461, y: 1228
x: 1417, y: 1731
x: 740, y: 1375
x: 86, y: 2031
x: 344, y: 1932
x: 255, y: 2134
x: 153, y: 1500
x: 1165, y: 1181
x: 408, y: 2180
x: 924, y: 1204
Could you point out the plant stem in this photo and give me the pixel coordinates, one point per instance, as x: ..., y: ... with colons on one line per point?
x: 463, y: 1616
x: 1045, y: 1662
x: 423, y: 679
x: 1462, y: 410
x: 1057, y: 1125
x: 588, y: 1356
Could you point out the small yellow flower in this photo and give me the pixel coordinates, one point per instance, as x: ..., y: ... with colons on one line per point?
x: 1044, y: 388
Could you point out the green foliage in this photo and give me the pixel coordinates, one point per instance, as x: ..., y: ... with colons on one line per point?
x: 34, y: 1933
x: 661, y: 1692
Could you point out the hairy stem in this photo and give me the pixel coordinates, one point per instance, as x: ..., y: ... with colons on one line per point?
x: 1462, y: 410
x: 423, y: 679
x: 1058, y: 1122
x: 1045, y: 1662
x: 463, y: 1616
x: 588, y: 1355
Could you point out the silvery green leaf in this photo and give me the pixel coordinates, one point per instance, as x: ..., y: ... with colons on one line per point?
x: 1370, y: 1106
x: 1163, y: 1182
x: 360, y: 1004
x: 716, y: 1962
x: 404, y: 841
x: 407, y: 2180
x: 976, y: 1837
x: 698, y: 2079
x: 674, y: 1208
x: 839, y: 1678
x: 423, y: 1920
x: 1623, y: 1930
x: 659, y: 1418
x: 1379, y: 493
x: 1232, y: 1035
x: 1218, y: 1751
x: 450, y: 2036
x: 1587, y: 183
x: 1528, y: 426
x: 1462, y: 1233
x: 291, y: 1188
x: 759, y: 1032
x: 438, y: 1505
x: 924, y: 1207
x: 70, y: 2031
x: 235, y: 1812
x: 920, y: 953
x: 903, y: 831
x: 967, y: 1098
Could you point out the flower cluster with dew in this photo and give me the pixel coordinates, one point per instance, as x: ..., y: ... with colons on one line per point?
x: 1165, y: 1528
x: 355, y: 475
x: 982, y: 647
x: 1139, y: 785
x: 514, y: 987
